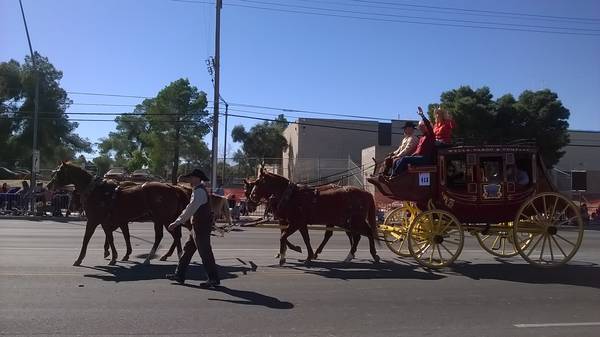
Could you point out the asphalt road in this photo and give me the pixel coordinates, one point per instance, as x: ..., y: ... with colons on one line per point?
x: 42, y: 294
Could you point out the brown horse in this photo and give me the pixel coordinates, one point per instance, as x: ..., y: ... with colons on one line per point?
x: 107, y: 205
x: 249, y: 185
x: 347, y: 207
x: 218, y: 204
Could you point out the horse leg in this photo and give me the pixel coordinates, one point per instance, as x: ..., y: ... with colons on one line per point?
x: 176, y: 234
x: 282, y: 243
x: 306, y: 237
x: 372, y: 249
x: 158, y: 235
x: 106, y: 245
x: 355, y: 240
x: 227, y: 213
x: 291, y: 246
x: 326, y: 237
x: 111, y: 242
x: 127, y: 237
x: 89, y: 231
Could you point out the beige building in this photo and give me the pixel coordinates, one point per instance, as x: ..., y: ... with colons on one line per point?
x: 318, y: 148
x: 583, y: 153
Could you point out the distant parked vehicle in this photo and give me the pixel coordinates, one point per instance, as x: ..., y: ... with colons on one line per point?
x: 117, y: 173
x: 8, y: 174
x: 144, y: 175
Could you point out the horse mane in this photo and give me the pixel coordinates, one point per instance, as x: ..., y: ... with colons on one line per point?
x: 277, y: 177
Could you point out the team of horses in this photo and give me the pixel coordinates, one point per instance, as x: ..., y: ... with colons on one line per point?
x: 114, y: 205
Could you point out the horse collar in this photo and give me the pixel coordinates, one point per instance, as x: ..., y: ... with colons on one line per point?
x: 89, y: 188
x: 287, y: 194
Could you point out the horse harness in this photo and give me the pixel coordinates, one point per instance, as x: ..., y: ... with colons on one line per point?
x: 111, y: 195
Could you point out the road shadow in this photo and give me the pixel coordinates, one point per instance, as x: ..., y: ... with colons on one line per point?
x: 135, y: 271
x: 246, y: 297
x: 363, y: 270
x: 575, y: 274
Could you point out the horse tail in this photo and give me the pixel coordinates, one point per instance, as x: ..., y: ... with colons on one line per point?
x: 372, y: 216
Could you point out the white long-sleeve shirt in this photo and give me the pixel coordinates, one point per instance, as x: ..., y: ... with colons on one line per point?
x: 407, y: 147
x: 199, y: 198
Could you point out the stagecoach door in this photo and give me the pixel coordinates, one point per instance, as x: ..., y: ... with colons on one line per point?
x: 491, y: 177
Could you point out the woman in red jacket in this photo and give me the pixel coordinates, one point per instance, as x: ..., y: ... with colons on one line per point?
x: 444, y: 124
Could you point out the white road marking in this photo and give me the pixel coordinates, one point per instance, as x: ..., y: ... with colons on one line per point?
x: 549, y: 325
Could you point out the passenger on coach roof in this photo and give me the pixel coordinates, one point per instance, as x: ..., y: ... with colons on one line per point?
x: 406, y: 148
x: 444, y: 124
x: 424, y: 153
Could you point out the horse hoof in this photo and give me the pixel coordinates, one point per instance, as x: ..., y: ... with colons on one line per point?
x: 376, y: 259
x: 316, y: 256
x: 146, y: 262
x: 77, y: 263
x: 125, y: 258
x: 349, y: 258
x: 281, y: 262
x: 163, y: 258
x: 112, y: 262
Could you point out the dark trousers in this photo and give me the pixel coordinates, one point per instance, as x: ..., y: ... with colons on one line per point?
x: 402, y: 164
x: 199, y: 239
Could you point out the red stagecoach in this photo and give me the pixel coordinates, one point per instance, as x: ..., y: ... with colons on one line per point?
x: 499, y: 193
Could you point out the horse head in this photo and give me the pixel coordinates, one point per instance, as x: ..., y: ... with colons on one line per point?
x: 69, y: 174
x: 267, y: 185
x: 250, y: 204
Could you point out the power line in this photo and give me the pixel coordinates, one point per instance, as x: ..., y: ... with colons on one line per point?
x: 445, y: 10
x: 418, y: 17
x: 103, y: 94
x: 481, y: 11
x: 406, y: 21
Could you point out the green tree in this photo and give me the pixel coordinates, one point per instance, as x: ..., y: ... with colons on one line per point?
x: 178, y: 112
x: 103, y: 163
x: 538, y: 116
x: 162, y: 131
x: 57, y: 139
x: 263, y: 140
x: 129, y: 139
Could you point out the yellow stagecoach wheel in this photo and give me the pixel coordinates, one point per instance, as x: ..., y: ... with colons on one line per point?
x: 500, y: 242
x: 395, y: 228
x: 548, y: 230
x: 435, y: 238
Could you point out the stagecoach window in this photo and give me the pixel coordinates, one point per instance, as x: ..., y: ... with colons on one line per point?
x: 491, y: 170
x: 456, y: 172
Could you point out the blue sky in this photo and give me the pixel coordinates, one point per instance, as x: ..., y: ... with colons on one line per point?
x: 318, y: 63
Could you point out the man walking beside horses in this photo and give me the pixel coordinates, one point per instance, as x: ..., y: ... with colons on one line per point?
x: 200, y: 211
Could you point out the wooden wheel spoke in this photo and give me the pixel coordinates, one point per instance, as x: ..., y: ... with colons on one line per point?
x: 559, y: 247
x: 485, y: 238
x: 569, y: 242
x: 422, y: 250
x: 564, y: 209
x: 535, y: 209
x: 432, y: 252
x: 403, y: 240
x: 534, y: 246
x: 542, y: 251
x: 495, y: 241
x: 550, y: 248
x: 446, y: 248
x: 440, y: 255
x: 452, y: 242
x: 545, y: 206
x: 554, y: 207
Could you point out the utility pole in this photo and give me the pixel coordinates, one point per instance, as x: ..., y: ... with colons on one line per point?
x: 215, y: 140
x: 225, y: 140
x: 35, y: 155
